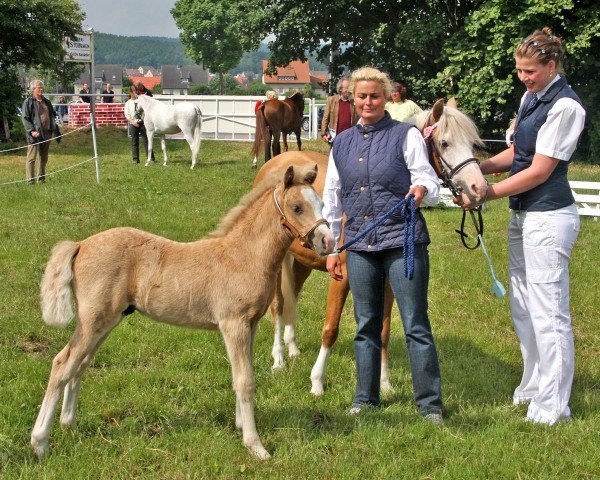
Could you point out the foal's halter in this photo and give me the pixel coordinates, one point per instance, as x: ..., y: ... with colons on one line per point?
x: 301, y: 235
x: 445, y: 172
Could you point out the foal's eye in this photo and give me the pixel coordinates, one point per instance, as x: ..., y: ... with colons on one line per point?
x: 444, y: 144
x: 297, y: 209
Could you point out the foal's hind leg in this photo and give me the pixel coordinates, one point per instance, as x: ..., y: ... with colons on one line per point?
x: 239, y: 340
x: 65, y: 367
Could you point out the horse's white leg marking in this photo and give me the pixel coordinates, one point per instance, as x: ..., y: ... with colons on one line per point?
x: 317, y: 375
x: 150, y: 136
x: 239, y: 338
x: 277, y: 352
x: 254, y: 162
x: 163, y: 145
x: 385, y: 384
x: 290, y: 340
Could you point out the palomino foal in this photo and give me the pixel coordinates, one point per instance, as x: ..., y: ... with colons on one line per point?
x: 200, y: 285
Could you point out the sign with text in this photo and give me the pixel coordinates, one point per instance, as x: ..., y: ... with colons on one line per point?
x: 79, y: 48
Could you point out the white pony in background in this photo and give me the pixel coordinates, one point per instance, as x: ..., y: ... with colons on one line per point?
x: 163, y: 119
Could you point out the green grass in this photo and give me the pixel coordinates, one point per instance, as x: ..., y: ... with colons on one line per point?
x: 157, y: 401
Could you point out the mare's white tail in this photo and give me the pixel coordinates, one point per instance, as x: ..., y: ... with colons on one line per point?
x: 55, y: 288
x: 197, y: 134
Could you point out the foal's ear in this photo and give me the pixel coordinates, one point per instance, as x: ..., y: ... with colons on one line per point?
x: 311, y: 175
x: 452, y: 103
x: 437, y: 110
x: 288, y: 178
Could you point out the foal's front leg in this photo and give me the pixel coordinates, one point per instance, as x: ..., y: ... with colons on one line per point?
x: 239, y: 339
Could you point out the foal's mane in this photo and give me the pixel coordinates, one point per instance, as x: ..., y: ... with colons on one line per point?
x: 232, y: 217
x: 454, y: 124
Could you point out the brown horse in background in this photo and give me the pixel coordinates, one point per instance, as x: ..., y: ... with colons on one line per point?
x: 275, y: 117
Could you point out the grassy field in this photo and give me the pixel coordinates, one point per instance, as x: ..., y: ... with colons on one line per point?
x: 157, y: 401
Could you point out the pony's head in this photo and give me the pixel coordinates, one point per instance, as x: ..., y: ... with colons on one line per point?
x: 301, y: 210
x: 297, y: 99
x: 451, y: 137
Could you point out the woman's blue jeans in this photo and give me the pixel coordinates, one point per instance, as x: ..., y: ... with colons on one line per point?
x: 367, y: 273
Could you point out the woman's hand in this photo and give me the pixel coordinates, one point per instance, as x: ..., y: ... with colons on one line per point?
x: 419, y: 192
x: 334, y: 267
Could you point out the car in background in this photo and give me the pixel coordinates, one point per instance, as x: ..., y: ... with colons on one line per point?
x: 306, y: 119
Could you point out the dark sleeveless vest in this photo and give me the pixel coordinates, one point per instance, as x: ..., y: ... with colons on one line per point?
x: 555, y: 192
x: 374, y: 178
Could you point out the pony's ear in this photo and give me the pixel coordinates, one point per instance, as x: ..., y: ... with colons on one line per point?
x: 288, y: 178
x: 311, y: 175
x: 437, y: 110
x: 452, y: 103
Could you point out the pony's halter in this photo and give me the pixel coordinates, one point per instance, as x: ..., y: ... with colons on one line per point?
x: 302, y: 236
x: 442, y: 168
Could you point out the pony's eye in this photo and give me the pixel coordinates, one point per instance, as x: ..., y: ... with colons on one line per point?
x: 444, y: 144
x: 297, y: 209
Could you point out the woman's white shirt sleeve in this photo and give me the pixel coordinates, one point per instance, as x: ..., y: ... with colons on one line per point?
x: 332, y: 199
x: 558, y: 136
x: 421, y: 171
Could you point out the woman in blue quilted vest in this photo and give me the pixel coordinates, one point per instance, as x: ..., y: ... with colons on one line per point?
x: 543, y: 225
x: 373, y: 166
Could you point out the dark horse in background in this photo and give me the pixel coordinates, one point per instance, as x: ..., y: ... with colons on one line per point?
x: 275, y: 117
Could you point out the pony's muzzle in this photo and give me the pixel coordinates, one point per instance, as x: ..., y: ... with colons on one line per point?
x: 322, y: 240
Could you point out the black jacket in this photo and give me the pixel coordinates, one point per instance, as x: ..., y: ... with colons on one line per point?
x: 31, y: 120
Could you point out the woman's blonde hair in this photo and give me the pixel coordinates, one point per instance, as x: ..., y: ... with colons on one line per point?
x: 542, y: 46
x: 371, y: 74
x: 271, y: 94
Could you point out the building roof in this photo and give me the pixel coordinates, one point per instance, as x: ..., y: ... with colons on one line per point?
x: 293, y: 72
x: 111, y: 73
x: 148, y: 82
x: 317, y: 79
x: 183, y: 76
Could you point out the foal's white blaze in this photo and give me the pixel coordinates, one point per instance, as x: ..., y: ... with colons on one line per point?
x: 324, y: 243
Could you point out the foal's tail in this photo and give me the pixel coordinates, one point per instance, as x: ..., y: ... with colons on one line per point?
x: 55, y: 288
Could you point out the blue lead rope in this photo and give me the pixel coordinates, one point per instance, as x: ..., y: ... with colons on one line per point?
x: 408, y: 212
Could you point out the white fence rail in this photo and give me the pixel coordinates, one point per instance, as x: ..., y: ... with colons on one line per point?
x: 232, y: 117
x: 586, y: 194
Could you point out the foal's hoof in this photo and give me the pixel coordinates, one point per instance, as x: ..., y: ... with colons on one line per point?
x: 40, y: 448
x: 317, y: 388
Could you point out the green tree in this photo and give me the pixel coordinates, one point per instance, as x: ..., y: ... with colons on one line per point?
x: 210, y: 33
x: 224, y: 84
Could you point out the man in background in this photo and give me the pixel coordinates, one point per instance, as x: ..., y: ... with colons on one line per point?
x: 340, y: 113
x: 84, y: 94
x: 38, y: 118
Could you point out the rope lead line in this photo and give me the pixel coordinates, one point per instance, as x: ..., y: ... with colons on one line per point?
x: 409, y: 213
x: 46, y: 141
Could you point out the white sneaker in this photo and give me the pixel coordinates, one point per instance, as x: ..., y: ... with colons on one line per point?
x: 435, y: 418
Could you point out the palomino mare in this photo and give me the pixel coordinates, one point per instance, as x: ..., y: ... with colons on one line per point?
x: 162, y: 119
x: 275, y: 117
x: 199, y: 284
x: 454, y: 136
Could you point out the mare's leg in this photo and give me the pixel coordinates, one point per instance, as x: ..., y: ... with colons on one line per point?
x: 163, y: 146
x: 268, y: 138
x: 336, y: 297
x: 285, y: 144
x: 386, y: 385
x: 148, y: 137
x: 298, y: 139
x: 276, y: 140
x: 239, y: 340
x: 89, y: 333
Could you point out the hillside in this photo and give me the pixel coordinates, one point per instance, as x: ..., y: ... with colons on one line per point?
x: 131, y: 52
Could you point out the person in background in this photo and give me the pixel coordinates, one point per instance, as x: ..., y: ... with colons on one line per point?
x: 399, y: 106
x: 108, y: 91
x: 38, y: 118
x: 135, y: 117
x: 543, y: 225
x: 372, y: 167
x: 141, y: 89
x: 84, y: 92
x: 270, y: 94
x: 61, y: 110
x: 340, y: 113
